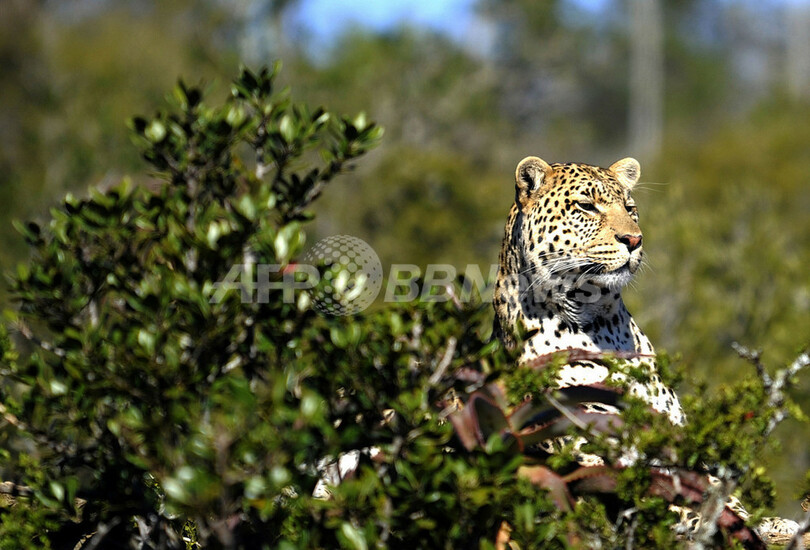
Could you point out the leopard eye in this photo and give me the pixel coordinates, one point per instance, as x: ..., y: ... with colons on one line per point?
x: 586, y: 206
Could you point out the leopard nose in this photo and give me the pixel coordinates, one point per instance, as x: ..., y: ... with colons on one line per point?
x: 631, y: 241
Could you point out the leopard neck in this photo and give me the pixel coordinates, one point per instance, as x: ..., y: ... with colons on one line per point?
x: 559, y: 316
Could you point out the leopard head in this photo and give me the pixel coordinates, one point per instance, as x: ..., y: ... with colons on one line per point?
x: 578, y: 221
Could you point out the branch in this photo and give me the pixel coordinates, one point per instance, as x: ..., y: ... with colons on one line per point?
x: 14, y: 490
x: 711, y: 509
x: 755, y: 358
x: 28, y: 334
x: 775, y: 387
x: 447, y: 358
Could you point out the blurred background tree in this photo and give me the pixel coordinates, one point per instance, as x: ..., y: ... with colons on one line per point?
x: 465, y: 89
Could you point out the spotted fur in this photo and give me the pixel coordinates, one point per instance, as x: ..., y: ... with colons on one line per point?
x: 572, y: 242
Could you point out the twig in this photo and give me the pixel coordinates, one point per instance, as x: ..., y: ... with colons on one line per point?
x: 447, y: 358
x: 714, y: 504
x: 12, y: 419
x: 631, y: 514
x: 102, y: 531
x: 776, y: 395
x: 784, y: 376
x: 28, y: 334
x: 774, y: 386
x: 567, y: 414
x: 777, y: 384
x: 755, y: 358
x: 776, y: 399
x: 38, y: 436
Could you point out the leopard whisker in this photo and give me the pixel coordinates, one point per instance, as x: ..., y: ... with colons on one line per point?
x: 555, y: 268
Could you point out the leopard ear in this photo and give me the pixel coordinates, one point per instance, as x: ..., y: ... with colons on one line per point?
x: 627, y: 171
x: 530, y: 176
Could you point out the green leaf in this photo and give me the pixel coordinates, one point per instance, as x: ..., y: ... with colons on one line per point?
x: 147, y: 340
x: 287, y: 128
x: 338, y: 337
x: 353, y: 537
x: 246, y: 207
x: 57, y: 490
x: 360, y: 121
x: 155, y: 132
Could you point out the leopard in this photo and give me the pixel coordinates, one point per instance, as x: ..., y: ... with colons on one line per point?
x: 571, y: 244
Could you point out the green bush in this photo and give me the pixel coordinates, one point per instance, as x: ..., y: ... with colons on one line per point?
x: 141, y: 413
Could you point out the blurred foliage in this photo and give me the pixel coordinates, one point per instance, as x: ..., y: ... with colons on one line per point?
x: 727, y: 249
x: 411, y: 185
x: 727, y: 235
x: 438, y: 154
x: 69, y: 88
x: 742, y: 228
x: 149, y: 407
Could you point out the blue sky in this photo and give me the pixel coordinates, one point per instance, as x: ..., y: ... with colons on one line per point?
x: 327, y: 18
